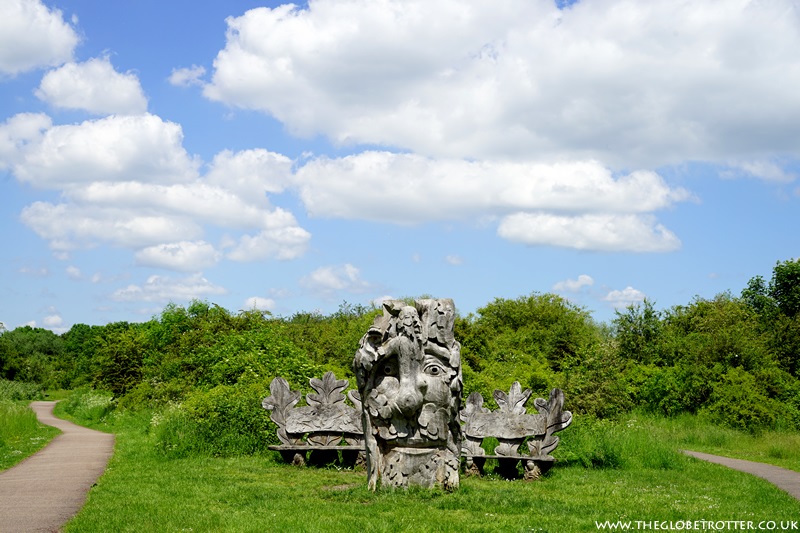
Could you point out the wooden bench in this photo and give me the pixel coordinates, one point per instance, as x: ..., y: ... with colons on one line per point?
x: 512, y: 426
x: 324, y: 427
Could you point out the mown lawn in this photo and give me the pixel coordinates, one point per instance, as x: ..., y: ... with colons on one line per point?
x: 143, y: 491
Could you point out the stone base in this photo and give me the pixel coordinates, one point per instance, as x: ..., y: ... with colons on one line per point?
x: 420, y: 467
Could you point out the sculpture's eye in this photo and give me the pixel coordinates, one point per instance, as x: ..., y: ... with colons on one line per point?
x: 434, y: 369
x: 389, y: 368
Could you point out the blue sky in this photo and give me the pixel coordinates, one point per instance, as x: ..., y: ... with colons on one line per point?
x: 290, y: 158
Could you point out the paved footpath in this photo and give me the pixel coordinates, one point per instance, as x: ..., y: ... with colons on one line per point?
x: 47, y: 489
x: 785, y: 479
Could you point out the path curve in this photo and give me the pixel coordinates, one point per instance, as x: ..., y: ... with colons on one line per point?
x: 47, y: 489
x: 784, y: 479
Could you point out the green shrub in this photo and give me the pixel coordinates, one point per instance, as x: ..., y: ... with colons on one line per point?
x: 737, y: 402
x: 226, y: 420
x: 16, y: 390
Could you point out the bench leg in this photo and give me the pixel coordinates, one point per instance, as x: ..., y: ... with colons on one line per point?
x: 294, y: 457
x: 473, y: 466
x: 532, y: 471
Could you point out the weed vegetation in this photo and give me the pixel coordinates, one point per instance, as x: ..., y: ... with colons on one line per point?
x: 21, y: 434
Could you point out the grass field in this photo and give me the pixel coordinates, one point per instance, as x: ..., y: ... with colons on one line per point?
x: 627, y: 470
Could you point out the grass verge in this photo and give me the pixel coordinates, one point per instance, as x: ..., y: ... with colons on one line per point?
x: 21, y: 435
x: 779, y: 448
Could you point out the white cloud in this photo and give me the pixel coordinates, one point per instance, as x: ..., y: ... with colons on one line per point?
x: 115, y: 148
x: 69, y: 226
x: 17, y: 132
x: 574, y: 285
x: 601, y: 232
x: 332, y: 279
x: 454, y: 260
x: 36, y: 272
x: 185, y: 77
x: 93, y: 86
x: 74, y: 273
x: 625, y: 297
x: 408, y: 188
x: 33, y: 36
x: 250, y: 173
x: 761, y: 169
x: 259, y: 303
x: 187, y: 256
x: 634, y: 84
x: 378, y: 302
x: 284, y: 242
x: 166, y: 289
x: 52, y: 321
x: 127, y: 181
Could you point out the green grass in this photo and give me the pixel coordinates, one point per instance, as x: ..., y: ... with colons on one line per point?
x: 608, y: 471
x: 779, y: 448
x: 21, y: 435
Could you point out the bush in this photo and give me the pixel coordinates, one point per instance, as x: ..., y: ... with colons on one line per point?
x: 737, y: 402
x: 18, y: 391
x: 226, y: 420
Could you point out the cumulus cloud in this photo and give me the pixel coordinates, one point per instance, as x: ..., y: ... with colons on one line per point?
x: 33, y: 36
x: 624, y: 298
x: 187, y: 256
x: 631, y: 84
x: 454, y: 260
x: 251, y: 174
x: 409, y: 188
x: 167, y: 289
x: 574, y: 285
x: 259, y: 303
x: 127, y: 181
x: 328, y: 280
x: 116, y: 148
x: 601, y: 232
x: 52, y: 321
x: 93, y: 86
x: 186, y: 77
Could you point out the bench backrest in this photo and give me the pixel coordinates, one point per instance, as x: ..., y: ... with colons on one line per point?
x: 325, y: 421
x: 511, y: 425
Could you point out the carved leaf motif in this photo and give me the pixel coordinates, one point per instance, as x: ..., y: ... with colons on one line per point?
x: 433, y: 421
x: 474, y: 405
x: 472, y: 446
x: 507, y: 447
x: 556, y: 420
x: 329, y: 389
x: 281, y: 400
x: 514, y: 401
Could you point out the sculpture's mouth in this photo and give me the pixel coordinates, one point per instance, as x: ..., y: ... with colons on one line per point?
x: 415, y: 441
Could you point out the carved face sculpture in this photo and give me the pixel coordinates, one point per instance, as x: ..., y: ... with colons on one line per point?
x: 409, y: 376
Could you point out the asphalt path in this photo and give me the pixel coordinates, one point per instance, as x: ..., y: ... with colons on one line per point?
x: 47, y: 489
x: 784, y: 479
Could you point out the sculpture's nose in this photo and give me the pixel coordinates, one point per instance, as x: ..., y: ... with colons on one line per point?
x: 409, y: 399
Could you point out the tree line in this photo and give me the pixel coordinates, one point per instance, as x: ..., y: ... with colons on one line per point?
x: 732, y: 358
